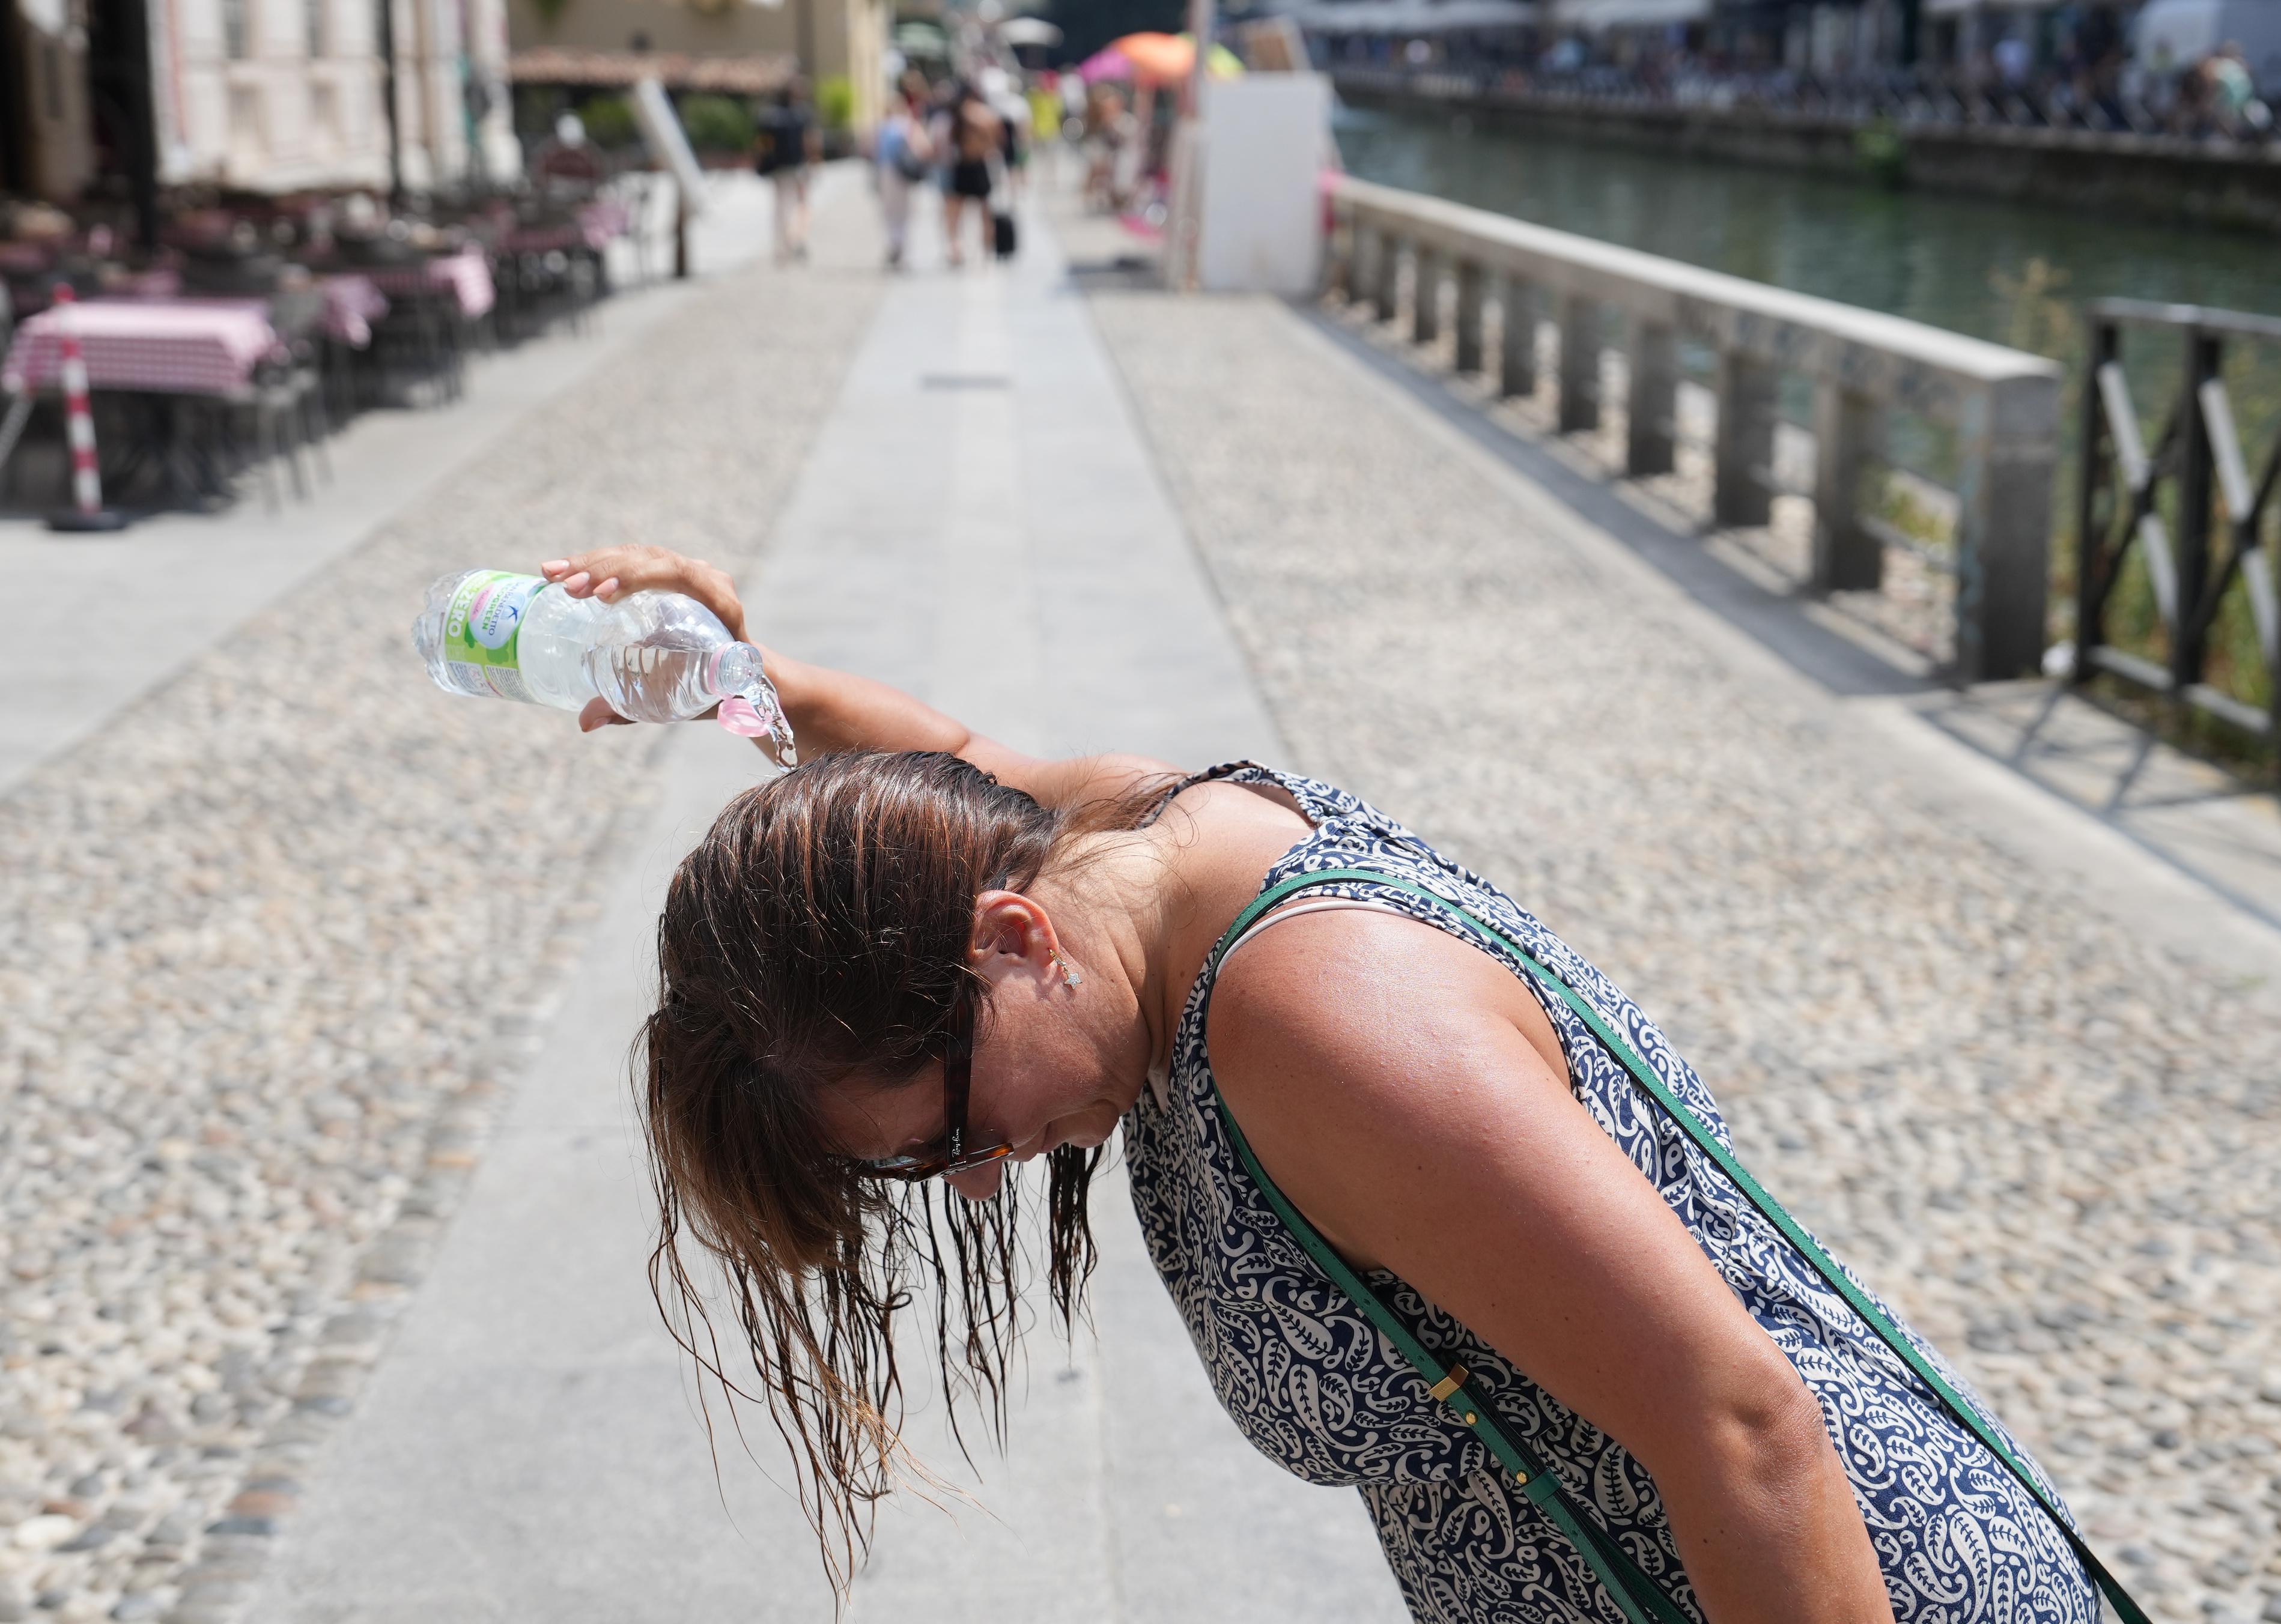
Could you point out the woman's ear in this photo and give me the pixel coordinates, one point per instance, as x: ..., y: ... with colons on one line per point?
x: 1010, y: 933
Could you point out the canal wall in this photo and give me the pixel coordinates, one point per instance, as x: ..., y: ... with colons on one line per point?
x: 2151, y: 177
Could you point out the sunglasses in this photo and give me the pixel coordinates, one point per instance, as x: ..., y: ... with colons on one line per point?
x: 950, y: 1155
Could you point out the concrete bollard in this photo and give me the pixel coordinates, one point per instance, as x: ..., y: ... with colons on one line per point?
x: 1744, y: 450
x: 1518, y: 312
x: 1470, y: 281
x: 1425, y: 295
x: 1579, y: 364
x: 2006, y: 456
x: 1846, y: 558
x: 1652, y: 402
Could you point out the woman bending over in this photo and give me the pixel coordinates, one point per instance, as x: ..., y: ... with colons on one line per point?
x: 1595, y: 1380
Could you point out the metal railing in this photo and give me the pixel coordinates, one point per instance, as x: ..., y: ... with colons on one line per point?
x: 2214, y: 532
x: 2003, y: 405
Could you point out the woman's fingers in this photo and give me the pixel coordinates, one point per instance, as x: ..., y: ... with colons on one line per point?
x: 597, y: 714
x: 633, y: 567
x: 610, y: 573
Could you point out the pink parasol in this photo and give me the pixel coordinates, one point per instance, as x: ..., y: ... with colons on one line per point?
x: 1107, y: 63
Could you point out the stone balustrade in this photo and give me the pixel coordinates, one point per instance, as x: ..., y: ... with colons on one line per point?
x: 2002, y: 404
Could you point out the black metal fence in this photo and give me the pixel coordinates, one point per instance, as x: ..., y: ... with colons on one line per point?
x: 2185, y: 507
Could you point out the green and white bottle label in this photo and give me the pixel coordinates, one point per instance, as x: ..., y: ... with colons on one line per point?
x: 481, y: 627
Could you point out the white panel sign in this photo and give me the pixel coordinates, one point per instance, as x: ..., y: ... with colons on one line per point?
x: 1267, y: 137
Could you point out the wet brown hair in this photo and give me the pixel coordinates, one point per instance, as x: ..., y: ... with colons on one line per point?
x: 819, y: 931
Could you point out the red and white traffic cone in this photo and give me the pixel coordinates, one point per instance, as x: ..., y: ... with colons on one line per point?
x: 87, y: 511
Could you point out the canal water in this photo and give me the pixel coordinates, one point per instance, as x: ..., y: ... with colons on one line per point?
x: 2013, y: 273
x: 1998, y: 271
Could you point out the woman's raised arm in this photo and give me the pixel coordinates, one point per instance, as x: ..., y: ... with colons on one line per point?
x: 837, y: 710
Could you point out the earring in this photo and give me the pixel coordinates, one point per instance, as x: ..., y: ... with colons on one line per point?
x: 1071, y: 977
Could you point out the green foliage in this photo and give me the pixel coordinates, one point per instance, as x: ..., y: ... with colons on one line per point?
x: 716, y: 123
x: 609, y: 121
x: 835, y: 101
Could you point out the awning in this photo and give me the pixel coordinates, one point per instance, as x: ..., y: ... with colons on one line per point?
x: 1413, y: 16
x: 1593, y: 15
x: 1029, y: 31
x: 921, y: 38
x: 1161, y: 60
x: 619, y: 70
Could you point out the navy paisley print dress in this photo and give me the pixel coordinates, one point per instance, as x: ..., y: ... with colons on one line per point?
x: 1315, y: 1388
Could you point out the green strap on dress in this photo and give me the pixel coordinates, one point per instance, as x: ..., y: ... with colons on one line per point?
x: 1641, y: 1601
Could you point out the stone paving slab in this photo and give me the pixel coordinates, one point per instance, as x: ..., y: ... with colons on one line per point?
x: 530, y: 1446
x: 269, y: 951
x: 283, y: 957
x: 2037, y: 1113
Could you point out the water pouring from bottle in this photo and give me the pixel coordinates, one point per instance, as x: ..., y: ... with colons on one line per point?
x: 651, y: 657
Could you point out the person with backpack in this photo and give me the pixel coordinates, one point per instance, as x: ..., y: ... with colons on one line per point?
x: 1449, y: 1220
x: 903, y: 156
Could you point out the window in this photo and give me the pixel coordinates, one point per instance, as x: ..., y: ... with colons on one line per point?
x: 316, y: 38
x: 233, y: 29
x: 249, y: 140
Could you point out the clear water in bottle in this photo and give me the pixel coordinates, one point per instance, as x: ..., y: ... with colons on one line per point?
x: 653, y: 656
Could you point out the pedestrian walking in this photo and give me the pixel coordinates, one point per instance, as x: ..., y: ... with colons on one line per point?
x: 968, y: 133
x: 904, y: 157
x: 1014, y: 132
x: 1448, y: 1219
x: 785, y: 145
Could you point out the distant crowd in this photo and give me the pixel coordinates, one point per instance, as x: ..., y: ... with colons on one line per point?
x: 2216, y: 95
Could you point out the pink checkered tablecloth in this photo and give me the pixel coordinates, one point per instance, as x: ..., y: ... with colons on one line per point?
x: 466, y: 275
x: 544, y: 239
x: 603, y: 219
x: 352, y: 304
x: 163, y: 346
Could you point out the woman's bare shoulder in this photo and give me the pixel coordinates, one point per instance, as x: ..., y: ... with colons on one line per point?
x: 1319, y: 971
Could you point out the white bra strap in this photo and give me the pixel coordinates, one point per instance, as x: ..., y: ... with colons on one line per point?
x: 1292, y: 910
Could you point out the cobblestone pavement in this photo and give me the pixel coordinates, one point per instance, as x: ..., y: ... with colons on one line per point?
x: 264, y: 945
x: 2055, y: 1142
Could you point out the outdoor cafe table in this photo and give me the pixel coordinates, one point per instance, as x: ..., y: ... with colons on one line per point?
x: 602, y: 219
x: 353, y: 302
x: 466, y: 277
x: 151, y: 346
x: 164, y: 349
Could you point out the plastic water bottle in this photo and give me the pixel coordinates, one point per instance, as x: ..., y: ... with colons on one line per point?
x: 654, y: 656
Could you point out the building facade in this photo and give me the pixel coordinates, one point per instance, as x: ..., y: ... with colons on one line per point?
x: 278, y: 94
x: 259, y: 95
x: 825, y: 39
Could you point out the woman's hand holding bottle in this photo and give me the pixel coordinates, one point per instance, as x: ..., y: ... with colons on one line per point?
x: 610, y: 573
